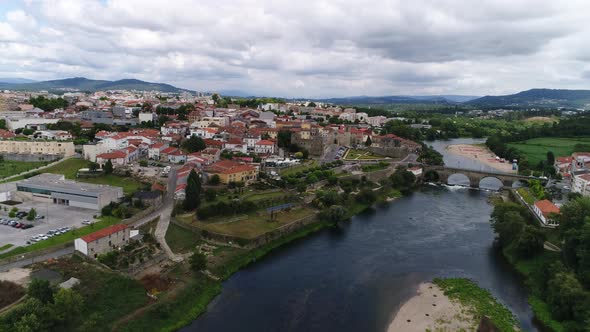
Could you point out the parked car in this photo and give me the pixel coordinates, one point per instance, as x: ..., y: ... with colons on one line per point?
x: 86, y: 222
x: 27, y: 226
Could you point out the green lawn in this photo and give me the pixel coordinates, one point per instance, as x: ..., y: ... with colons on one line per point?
x: 180, y: 239
x: 354, y: 154
x: 296, y: 169
x: 536, y: 149
x: 9, y: 167
x: 253, y: 224
x: 70, y: 168
x: 60, y: 239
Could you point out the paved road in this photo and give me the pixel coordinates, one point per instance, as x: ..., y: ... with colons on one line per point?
x: 164, y: 212
x: 29, y: 261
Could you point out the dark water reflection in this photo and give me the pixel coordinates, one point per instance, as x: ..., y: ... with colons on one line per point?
x: 354, y: 277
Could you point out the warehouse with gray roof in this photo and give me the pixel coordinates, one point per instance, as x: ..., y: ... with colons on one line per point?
x: 54, y: 188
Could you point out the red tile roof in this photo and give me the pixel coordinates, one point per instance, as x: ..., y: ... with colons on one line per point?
x: 103, y: 232
x: 546, y: 207
x: 265, y: 142
x: 112, y: 155
x: 6, y: 134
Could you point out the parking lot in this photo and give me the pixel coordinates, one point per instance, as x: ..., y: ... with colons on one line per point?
x: 56, y: 216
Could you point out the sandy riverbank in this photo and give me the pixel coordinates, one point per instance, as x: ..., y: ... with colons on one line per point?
x: 481, y: 154
x: 431, y: 310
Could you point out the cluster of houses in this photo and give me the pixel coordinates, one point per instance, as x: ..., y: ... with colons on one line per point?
x: 576, y: 168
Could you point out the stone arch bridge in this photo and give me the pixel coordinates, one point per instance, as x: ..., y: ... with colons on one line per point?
x: 475, y: 176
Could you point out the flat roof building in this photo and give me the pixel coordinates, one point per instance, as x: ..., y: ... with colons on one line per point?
x: 54, y: 188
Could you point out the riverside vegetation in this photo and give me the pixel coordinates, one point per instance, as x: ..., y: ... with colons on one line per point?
x: 559, y: 282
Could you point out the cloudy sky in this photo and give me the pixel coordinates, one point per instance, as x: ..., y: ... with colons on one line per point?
x: 304, y: 48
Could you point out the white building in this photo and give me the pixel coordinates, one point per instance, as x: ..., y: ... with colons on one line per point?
x: 264, y: 147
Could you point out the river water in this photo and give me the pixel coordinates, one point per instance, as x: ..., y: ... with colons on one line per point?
x: 356, y: 276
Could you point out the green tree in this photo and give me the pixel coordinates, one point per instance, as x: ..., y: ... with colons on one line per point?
x: 508, y: 227
x: 29, y: 322
x: 40, y: 290
x: 403, y: 179
x: 32, y: 214
x: 530, y: 241
x: 214, y: 180
x: 567, y: 297
x: 120, y: 211
x: 366, y: 196
x: 192, y: 192
x: 92, y: 166
x: 550, y: 158
x: 108, y: 167
x: 198, y: 261
x: 67, y: 305
x: 194, y: 144
x: 13, y: 212
x: 334, y: 213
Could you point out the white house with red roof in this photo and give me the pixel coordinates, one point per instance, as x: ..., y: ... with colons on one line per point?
x: 103, y: 241
x: 174, y: 128
x: 177, y: 157
x: 203, y: 132
x: 581, y: 184
x: 236, y: 145
x: 545, y: 209
x: 265, y: 147
x: 155, y: 149
x: 120, y: 157
x: 563, y: 165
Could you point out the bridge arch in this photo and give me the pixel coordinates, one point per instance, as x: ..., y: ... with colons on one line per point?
x: 492, y: 182
x: 458, y: 179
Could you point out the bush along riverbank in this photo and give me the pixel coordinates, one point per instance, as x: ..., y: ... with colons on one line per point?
x: 559, y: 282
x: 181, y: 307
x: 479, y: 302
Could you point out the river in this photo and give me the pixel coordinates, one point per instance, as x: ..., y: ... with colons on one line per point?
x: 356, y: 276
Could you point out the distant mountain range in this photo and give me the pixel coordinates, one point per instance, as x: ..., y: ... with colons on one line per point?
x: 538, y: 98
x: 379, y: 100
x: 15, y: 80
x: 85, y: 84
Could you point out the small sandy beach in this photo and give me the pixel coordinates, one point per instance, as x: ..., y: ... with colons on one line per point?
x: 431, y: 310
x: 482, y: 155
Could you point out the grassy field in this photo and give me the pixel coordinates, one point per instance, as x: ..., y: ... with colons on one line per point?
x: 295, y: 169
x: 180, y: 239
x: 536, y: 149
x: 9, y: 167
x: 70, y: 168
x: 253, y: 224
x: 354, y: 154
x: 60, y: 239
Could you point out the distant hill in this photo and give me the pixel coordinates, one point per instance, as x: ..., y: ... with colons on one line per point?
x: 538, y: 98
x: 85, y: 84
x: 379, y: 100
x: 15, y: 80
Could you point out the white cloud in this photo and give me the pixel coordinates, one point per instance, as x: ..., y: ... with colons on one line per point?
x: 304, y: 48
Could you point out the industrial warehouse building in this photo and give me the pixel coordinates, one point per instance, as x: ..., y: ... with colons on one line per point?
x: 54, y: 188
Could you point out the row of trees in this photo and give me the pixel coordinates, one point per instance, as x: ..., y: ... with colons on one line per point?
x: 48, y: 104
x: 46, y: 309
